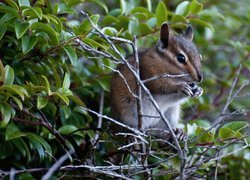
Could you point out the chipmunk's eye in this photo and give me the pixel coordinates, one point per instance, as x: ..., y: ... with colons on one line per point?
x: 181, y: 58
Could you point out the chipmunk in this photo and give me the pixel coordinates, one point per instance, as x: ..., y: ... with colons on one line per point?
x: 174, y: 55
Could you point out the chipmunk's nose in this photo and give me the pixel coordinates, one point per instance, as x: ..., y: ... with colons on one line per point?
x: 199, y: 77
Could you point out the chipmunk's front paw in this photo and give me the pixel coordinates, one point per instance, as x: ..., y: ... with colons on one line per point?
x: 196, y: 90
x: 180, y: 134
x: 186, y: 89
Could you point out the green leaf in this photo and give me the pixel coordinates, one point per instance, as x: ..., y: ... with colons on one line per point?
x: 77, y: 100
x: 2, y: 72
x: 45, y: 82
x: 23, y: 3
x: 36, y: 144
x: 12, y: 4
x: 34, y: 12
x: 182, y: 8
x: 70, y: 51
x: 64, y: 98
x: 178, y: 18
x: 6, y: 149
x: 22, y: 147
x: 65, y: 112
x: 195, y: 7
x: 9, y: 75
x: 10, y: 10
x: 6, y: 17
x: 211, y: 13
x: 101, y: 4
x: 202, y: 23
x: 109, y: 20
x: 66, y: 81
x: 41, y: 102
x: 18, y: 102
x: 41, y: 27
x: 133, y: 27
x: 236, y: 125
x: 110, y: 31
x: 104, y: 85
x: 41, y: 141
x: 28, y: 43
x: 226, y: 133
x: 2, y: 30
x: 14, y: 89
x: 56, y: 22
x: 201, y: 123
x: 204, y: 138
x: 67, y: 129
x: 21, y: 28
x: 145, y: 29
x: 161, y: 13
x: 6, y: 114
x: 12, y: 132
x: 86, y: 26
x: 94, y: 43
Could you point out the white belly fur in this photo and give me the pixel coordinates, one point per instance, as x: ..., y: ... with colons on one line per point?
x: 169, y: 106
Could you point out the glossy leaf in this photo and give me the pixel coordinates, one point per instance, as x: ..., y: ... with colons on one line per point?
x: 66, y: 81
x: 71, y: 52
x: 202, y: 23
x: 41, y: 102
x: 18, y: 102
x: 21, y: 28
x: 2, y: 30
x: 12, y: 132
x: 226, y: 133
x: 161, y: 13
x: 12, y: 4
x: 22, y: 147
x: 23, y: 3
x: 9, y: 75
x: 67, y: 129
x: 2, y: 72
x: 204, y: 138
x: 236, y: 125
x: 45, y: 82
x: 28, y: 43
x: 182, y: 8
x: 6, y: 114
x: 42, y: 27
x: 39, y: 139
x: 195, y: 7
x: 63, y: 98
x: 34, y: 12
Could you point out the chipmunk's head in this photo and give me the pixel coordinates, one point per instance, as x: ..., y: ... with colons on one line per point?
x: 181, y: 53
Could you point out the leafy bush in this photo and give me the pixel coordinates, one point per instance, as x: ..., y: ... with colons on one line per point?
x: 55, y: 67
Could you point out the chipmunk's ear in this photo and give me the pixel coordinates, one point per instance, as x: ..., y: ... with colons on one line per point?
x: 189, y: 34
x: 164, y: 35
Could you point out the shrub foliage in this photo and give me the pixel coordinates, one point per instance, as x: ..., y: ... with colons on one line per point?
x: 55, y: 64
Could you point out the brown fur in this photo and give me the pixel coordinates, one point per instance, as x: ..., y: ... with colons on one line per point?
x: 156, y: 61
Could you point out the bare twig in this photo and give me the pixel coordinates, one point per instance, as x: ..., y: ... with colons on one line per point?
x: 55, y: 166
x: 229, y: 98
x: 99, y: 125
x: 164, y: 76
x: 116, y: 122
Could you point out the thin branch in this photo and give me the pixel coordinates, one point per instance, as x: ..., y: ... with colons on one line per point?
x: 99, y: 125
x: 165, y: 75
x: 114, y: 121
x: 230, y: 153
x: 55, y: 166
x: 229, y: 98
